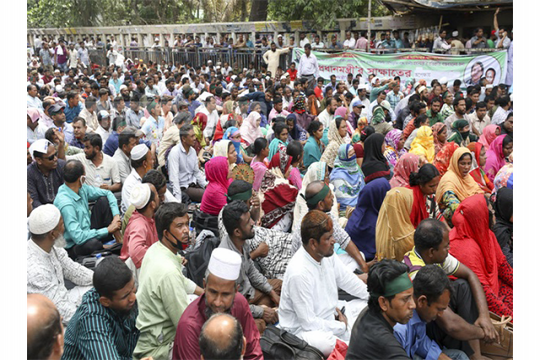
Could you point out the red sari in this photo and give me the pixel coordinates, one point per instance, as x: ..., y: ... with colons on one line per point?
x: 478, y: 174
x: 475, y: 245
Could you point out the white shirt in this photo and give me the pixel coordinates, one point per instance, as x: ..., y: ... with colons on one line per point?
x: 500, y: 116
x: 320, y: 45
x: 105, y: 174
x: 213, y: 119
x: 45, y: 273
x: 325, y: 118
x: 33, y: 102
x: 309, y: 294
x: 308, y: 66
x: 351, y: 43
x: 124, y: 164
x: 304, y: 42
x: 36, y: 134
x: 103, y: 133
x: 133, y: 179
x: 184, y: 169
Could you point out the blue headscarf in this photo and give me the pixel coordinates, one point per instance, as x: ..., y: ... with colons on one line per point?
x: 229, y: 133
x: 347, y: 177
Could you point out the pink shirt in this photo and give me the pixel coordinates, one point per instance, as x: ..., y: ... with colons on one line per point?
x: 295, y: 178
x: 274, y: 113
x: 362, y: 43
x: 139, y: 235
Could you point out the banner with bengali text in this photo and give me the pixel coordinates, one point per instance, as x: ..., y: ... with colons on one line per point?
x: 412, y: 65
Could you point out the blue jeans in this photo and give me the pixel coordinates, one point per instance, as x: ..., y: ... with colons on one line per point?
x: 451, y: 353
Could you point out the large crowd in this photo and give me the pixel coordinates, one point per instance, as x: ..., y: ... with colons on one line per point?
x: 186, y: 211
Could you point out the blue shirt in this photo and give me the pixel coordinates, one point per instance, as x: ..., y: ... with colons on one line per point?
x: 112, y: 144
x: 76, y: 214
x: 72, y: 113
x: 414, y: 339
x: 193, y: 106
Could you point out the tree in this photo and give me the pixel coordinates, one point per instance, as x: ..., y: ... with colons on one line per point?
x: 259, y: 10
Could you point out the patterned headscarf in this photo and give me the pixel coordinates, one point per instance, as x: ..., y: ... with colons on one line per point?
x: 299, y: 104
x: 438, y: 128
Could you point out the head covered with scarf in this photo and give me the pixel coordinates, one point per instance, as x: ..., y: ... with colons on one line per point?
x: 375, y: 164
x: 229, y: 134
x: 214, y: 198
x: 347, y: 177
x: 250, y: 129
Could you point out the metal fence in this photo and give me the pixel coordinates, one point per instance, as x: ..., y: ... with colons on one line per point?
x: 236, y: 58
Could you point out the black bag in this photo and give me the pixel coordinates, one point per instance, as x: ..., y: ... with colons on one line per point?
x: 278, y: 344
x: 199, y: 258
x: 204, y: 221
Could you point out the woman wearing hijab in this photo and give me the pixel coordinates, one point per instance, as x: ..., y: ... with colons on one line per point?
x: 337, y: 136
x: 442, y: 159
x: 359, y: 146
x: 250, y: 129
x: 394, y: 146
x: 489, y: 134
x: 462, y: 133
x: 281, y: 132
x: 314, y: 147
x: 457, y: 184
x: 504, y: 222
x: 439, y: 136
x: 303, y: 118
x: 362, y: 123
x: 423, y: 145
x: 346, y: 177
x: 424, y: 185
x: 199, y: 124
x: 475, y: 245
x: 279, y: 196
x: 498, y: 151
x: 406, y: 165
x: 394, y: 234
x: 215, y: 195
x: 362, y: 223
x: 226, y: 149
x: 233, y: 134
x: 295, y: 131
x: 344, y: 113
x: 375, y: 164
x: 478, y: 174
x: 504, y: 178
x: 259, y: 164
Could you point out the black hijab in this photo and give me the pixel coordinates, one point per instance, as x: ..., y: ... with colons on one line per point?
x: 375, y: 164
x: 504, y: 209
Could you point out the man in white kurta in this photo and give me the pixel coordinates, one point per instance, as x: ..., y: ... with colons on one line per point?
x: 309, y: 294
x: 271, y: 57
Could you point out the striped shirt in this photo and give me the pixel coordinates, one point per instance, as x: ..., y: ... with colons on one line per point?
x: 97, y: 332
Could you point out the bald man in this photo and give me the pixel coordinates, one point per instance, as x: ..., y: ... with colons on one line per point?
x: 222, y: 338
x: 44, y: 330
x: 318, y: 196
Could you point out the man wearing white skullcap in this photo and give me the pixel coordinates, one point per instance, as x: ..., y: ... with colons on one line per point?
x: 220, y: 296
x: 141, y: 231
x: 47, y: 265
x: 142, y: 160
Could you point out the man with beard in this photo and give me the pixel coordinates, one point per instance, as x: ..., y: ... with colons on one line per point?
x: 271, y: 57
x: 261, y: 293
x: 101, y: 169
x: 327, y: 116
x: 220, y: 296
x: 47, y: 265
x: 309, y: 304
x: 390, y: 302
x: 104, y: 325
x: 459, y: 114
x: 163, y: 289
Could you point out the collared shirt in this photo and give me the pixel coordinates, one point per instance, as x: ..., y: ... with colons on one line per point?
x: 36, y: 134
x: 433, y: 119
x: 186, y: 342
x: 133, y: 179
x: 103, y: 133
x: 375, y: 91
x: 153, y: 129
x: 77, y: 143
x: 349, y: 43
x: 73, y: 112
x: 480, y: 45
x: 98, y: 332
x: 90, y: 118
x: 394, y: 98
x: 34, y: 102
x: 170, y: 138
x: 415, y: 262
x: 43, y: 189
x: 450, y: 120
x: 477, y: 123
x: 184, y: 169
x: 134, y: 118
x: 45, y: 273
x: 139, y: 235
x: 505, y: 42
x: 362, y: 44
x: 124, y: 164
x: 372, y: 337
x: 274, y: 113
x: 46, y: 56
x: 153, y: 92
x: 309, y: 294
x: 412, y: 336
x: 111, y: 145
x: 308, y: 66
x: 212, y: 122
x: 83, y: 55
x: 162, y: 297
x: 104, y: 174
x: 340, y: 235
x: 325, y: 118
x: 500, y: 116
x: 250, y: 278
x: 441, y: 44
x: 76, y: 214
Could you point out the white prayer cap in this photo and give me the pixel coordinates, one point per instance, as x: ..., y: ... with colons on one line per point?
x: 443, y: 80
x: 43, y: 219
x: 455, y: 33
x: 122, y: 87
x: 225, y: 264
x: 421, y: 88
x: 233, y: 77
x: 58, y: 88
x: 140, y: 194
x: 156, y: 39
x: 363, y: 87
x: 138, y: 152
x: 374, y: 80
x: 40, y: 146
x: 218, y: 63
x: 244, y: 69
x: 489, y: 86
x: 283, y: 77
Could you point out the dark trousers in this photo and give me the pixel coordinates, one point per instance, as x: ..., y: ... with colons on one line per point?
x: 312, y: 82
x: 101, y: 217
x: 463, y: 304
x: 194, y: 192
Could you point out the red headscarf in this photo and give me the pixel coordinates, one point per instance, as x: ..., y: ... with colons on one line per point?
x: 418, y: 211
x: 214, y: 198
x: 442, y: 159
x: 478, y: 174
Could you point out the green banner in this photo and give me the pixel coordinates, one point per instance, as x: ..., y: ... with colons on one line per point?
x: 412, y: 65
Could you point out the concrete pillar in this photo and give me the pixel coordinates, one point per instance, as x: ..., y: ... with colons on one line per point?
x: 297, y: 38
x: 161, y: 40
x: 139, y: 39
x: 342, y: 35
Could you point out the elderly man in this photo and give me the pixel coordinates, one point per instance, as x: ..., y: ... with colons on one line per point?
x: 104, y: 128
x: 220, y: 296
x: 163, y: 289
x: 104, y: 325
x: 142, y: 160
x: 47, y: 265
x: 222, y: 338
x: 45, y: 174
x: 89, y: 113
x: 59, y: 121
x: 44, y: 330
x: 261, y: 293
x: 309, y: 297
x: 127, y: 140
x: 85, y: 234
x: 171, y: 137
x: 318, y: 196
x: 32, y: 99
